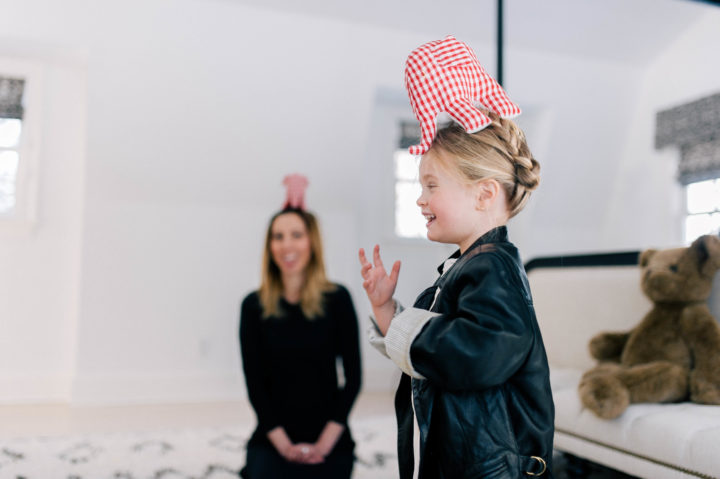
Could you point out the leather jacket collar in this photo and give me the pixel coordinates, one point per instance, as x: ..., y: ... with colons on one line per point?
x: 495, y: 235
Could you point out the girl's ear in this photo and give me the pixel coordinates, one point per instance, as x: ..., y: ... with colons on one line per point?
x: 487, y: 192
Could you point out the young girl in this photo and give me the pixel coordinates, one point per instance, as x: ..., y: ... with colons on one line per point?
x: 471, y: 343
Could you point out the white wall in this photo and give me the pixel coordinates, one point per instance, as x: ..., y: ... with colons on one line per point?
x: 40, y: 253
x: 195, y: 111
x: 647, y: 207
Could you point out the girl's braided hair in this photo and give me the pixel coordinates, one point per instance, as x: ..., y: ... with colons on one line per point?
x: 499, y: 152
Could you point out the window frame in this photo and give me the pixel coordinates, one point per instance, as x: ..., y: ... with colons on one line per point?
x: 397, y: 180
x: 24, y: 214
x: 688, y: 214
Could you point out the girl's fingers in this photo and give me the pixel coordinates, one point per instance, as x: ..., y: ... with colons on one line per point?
x: 363, y: 259
x: 395, y: 272
x: 364, y: 271
x: 376, y: 257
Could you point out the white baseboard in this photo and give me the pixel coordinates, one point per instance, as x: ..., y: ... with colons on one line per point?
x: 114, y: 389
x: 34, y: 389
x: 160, y: 388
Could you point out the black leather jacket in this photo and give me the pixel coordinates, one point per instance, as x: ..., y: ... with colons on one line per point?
x: 485, y: 408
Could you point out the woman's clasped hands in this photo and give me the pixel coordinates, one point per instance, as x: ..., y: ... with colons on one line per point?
x: 304, y: 453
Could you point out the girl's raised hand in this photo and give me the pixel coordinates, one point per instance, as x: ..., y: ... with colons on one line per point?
x: 379, y: 286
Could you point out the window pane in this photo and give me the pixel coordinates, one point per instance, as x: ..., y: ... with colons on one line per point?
x: 7, y: 203
x: 703, y: 196
x: 703, y: 224
x: 714, y: 224
x: 10, y: 132
x: 8, y: 163
x: 8, y: 172
x: 406, y: 166
x: 409, y: 223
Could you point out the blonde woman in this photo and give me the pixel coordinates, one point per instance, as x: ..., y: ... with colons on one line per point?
x: 292, y: 331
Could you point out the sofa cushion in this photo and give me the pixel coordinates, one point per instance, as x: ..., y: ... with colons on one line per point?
x: 574, y: 304
x: 683, y: 437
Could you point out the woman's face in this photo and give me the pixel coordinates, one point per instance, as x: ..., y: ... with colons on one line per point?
x: 290, y: 244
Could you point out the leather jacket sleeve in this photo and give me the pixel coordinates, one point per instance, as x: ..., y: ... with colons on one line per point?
x: 483, y: 334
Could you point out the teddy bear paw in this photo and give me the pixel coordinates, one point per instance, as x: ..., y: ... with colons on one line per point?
x: 703, y: 391
x: 606, y: 396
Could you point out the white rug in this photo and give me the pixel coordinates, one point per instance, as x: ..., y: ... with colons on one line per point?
x: 173, y: 454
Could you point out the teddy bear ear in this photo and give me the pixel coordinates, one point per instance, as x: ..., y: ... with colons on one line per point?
x: 707, y: 248
x: 645, y: 257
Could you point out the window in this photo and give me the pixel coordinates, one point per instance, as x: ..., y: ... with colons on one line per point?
x: 21, y: 87
x: 409, y: 223
x: 11, y: 115
x: 693, y: 128
x: 703, y: 209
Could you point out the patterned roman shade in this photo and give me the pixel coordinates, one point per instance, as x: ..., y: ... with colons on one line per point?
x: 694, y: 128
x: 11, y: 94
x: 409, y: 134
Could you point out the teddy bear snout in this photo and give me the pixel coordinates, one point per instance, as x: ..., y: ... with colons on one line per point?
x: 660, y: 286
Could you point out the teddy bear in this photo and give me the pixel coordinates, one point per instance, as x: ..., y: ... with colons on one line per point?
x: 673, y: 354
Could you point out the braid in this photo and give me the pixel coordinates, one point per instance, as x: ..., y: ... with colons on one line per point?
x: 526, y: 168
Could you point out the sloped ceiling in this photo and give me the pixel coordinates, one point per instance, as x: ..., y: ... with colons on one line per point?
x: 627, y: 31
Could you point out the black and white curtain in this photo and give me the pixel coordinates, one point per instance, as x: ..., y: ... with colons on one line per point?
x: 409, y: 134
x: 694, y: 128
x: 11, y: 95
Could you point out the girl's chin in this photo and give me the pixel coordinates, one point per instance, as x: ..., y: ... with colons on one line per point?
x: 432, y: 236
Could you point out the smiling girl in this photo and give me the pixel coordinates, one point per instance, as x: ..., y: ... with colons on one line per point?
x: 470, y: 349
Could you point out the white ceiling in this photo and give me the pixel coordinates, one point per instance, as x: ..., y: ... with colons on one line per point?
x: 628, y: 31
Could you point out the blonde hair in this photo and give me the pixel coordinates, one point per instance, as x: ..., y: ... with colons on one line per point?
x: 497, y: 152
x: 316, y: 282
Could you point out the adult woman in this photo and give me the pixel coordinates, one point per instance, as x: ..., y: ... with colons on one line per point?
x: 292, y: 331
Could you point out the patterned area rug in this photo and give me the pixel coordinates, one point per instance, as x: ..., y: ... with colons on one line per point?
x: 173, y: 454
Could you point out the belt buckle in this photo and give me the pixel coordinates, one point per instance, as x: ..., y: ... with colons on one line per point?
x: 544, y: 467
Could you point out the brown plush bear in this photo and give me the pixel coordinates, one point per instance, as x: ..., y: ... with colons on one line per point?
x: 674, y: 353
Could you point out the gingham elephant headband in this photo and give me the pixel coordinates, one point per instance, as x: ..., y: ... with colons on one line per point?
x: 445, y: 76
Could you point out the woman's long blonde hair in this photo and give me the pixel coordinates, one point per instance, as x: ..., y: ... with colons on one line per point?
x: 499, y: 152
x: 316, y: 282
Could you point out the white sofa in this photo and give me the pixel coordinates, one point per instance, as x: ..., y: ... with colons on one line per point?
x: 575, y: 298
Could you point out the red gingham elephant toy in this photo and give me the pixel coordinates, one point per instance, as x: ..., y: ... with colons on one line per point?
x: 445, y: 76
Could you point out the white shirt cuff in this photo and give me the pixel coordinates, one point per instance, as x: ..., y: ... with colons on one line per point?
x: 403, y: 330
x: 377, y: 340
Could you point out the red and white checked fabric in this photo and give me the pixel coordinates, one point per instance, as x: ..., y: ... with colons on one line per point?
x: 295, y: 185
x: 446, y: 76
